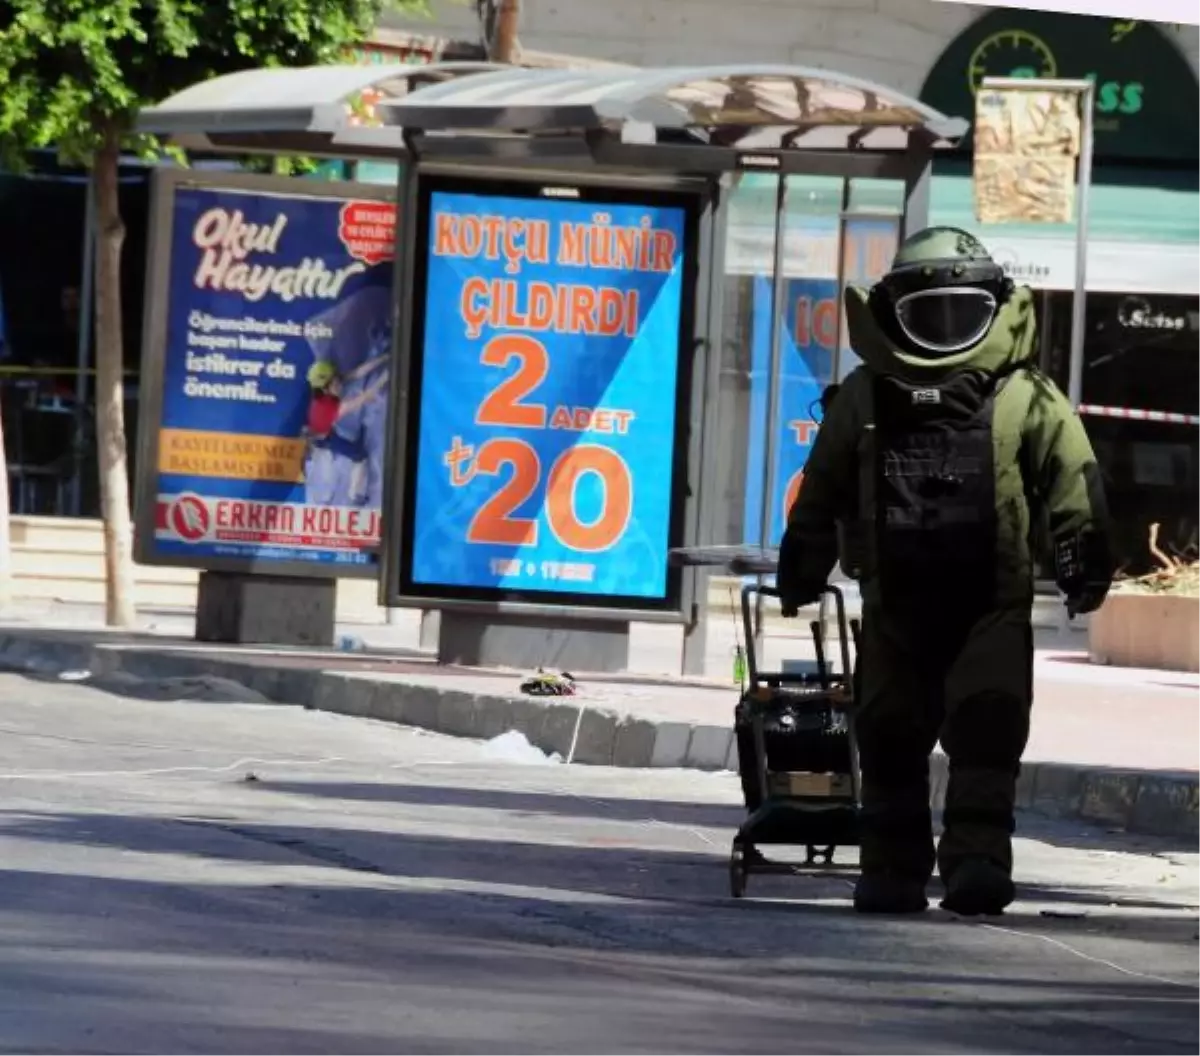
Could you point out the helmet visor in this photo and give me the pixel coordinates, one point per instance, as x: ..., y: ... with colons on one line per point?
x: 948, y: 320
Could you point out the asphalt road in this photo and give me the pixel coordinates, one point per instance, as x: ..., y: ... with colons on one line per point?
x: 211, y: 876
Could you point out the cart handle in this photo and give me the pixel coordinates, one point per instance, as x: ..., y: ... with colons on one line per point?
x: 755, y: 676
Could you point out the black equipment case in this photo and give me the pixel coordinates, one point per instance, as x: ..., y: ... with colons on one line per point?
x: 797, y: 756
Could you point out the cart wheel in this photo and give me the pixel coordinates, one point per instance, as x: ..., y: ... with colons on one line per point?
x: 820, y: 855
x: 737, y: 871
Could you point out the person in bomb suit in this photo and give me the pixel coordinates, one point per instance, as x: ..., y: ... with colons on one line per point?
x: 935, y: 464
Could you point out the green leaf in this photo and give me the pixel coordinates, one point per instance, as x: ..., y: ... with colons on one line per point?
x: 72, y: 67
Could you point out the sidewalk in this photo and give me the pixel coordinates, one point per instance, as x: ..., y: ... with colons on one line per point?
x: 1110, y: 746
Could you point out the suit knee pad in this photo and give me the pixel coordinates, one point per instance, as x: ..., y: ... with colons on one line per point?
x: 988, y: 731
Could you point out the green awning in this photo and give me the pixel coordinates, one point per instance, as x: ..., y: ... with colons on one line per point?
x: 1124, y: 205
x: 1143, y: 232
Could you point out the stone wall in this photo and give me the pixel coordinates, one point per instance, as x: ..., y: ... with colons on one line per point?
x: 891, y: 42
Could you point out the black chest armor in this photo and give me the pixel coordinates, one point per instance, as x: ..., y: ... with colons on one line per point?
x: 935, y: 489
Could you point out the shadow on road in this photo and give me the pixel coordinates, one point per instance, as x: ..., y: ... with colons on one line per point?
x: 178, y: 959
x: 592, y: 864
x: 1077, y: 835
x: 222, y: 934
x: 611, y: 808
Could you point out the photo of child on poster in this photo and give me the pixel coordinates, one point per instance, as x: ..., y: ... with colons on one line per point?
x: 347, y: 413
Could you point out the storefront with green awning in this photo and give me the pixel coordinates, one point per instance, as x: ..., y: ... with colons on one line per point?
x: 1141, y: 379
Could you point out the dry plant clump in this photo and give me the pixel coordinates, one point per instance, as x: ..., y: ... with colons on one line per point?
x: 1178, y: 575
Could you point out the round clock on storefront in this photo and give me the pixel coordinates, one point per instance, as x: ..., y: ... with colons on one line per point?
x: 1011, y: 53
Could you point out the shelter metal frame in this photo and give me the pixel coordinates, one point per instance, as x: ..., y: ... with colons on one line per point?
x: 165, y: 186
x: 675, y: 126
x: 306, y: 110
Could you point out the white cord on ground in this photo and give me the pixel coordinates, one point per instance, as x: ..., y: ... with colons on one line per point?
x: 52, y: 775
x: 1086, y: 956
x: 651, y: 821
x: 1068, y: 948
x: 686, y: 828
x: 61, y: 775
x: 64, y: 738
x: 575, y: 736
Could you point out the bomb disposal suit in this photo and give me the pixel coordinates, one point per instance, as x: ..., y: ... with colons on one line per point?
x: 938, y: 462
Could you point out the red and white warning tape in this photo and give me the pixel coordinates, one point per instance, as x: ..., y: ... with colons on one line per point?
x: 1136, y: 415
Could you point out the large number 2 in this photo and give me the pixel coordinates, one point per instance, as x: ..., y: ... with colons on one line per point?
x: 493, y: 521
x: 503, y: 406
x: 495, y: 524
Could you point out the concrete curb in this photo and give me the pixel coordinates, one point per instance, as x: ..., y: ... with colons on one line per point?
x: 1149, y: 802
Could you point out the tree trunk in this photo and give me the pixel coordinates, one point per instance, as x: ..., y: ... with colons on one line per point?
x: 110, y: 389
x: 504, y: 44
x: 6, y: 584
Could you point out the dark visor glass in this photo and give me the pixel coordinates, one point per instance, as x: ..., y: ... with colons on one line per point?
x: 947, y: 320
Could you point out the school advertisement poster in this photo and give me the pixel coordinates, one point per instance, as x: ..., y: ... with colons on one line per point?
x: 547, y: 400
x: 275, y: 379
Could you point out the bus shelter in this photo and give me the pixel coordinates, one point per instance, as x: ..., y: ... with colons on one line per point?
x: 311, y: 111
x: 602, y: 461
x: 554, y: 421
x: 252, y: 281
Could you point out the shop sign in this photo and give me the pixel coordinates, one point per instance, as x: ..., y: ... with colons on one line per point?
x: 1026, y: 143
x: 372, y: 54
x: 1024, y: 270
x: 1145, y: 89
x: 1177, y: 14
x: 1137, y: 313
x: 362, y: 107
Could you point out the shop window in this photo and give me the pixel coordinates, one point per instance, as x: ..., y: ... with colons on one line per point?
x: 47, y: 403
x: 820, y: 244
x: 1141, y: 398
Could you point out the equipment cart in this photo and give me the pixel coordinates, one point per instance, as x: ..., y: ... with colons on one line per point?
x: 797, y: 754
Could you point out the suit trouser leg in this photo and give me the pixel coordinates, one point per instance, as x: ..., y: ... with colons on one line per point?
x: 988, y: 696
x: 896, y: 723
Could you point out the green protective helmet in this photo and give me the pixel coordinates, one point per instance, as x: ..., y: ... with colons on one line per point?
x: 321, y: 374
x: 942, y: 293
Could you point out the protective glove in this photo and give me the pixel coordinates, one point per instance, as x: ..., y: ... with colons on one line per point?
x: 1086, y: 598
x: 795, y: 596
x: 1083, y: 571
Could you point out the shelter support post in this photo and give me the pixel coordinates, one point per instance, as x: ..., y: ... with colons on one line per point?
x: 1079, y: 295
x: 695, y: 631
x: 244, y: 608
x: 916, y: 196
x: 562, y: 643
x: 710, y: 317
x: 431, y: 624
x: 774, y: 379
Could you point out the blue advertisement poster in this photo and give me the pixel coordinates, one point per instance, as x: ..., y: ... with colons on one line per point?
x: 868, y: 245
x: 275, y: 378
x: 548, y: 396
x: 809, y: 338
